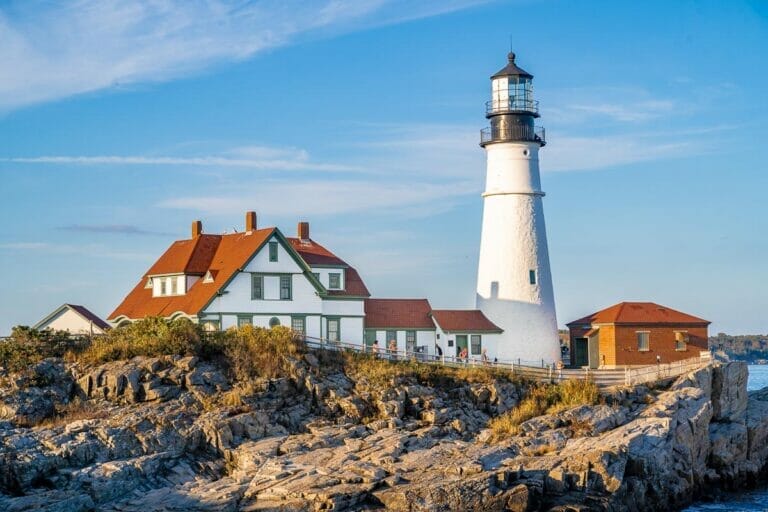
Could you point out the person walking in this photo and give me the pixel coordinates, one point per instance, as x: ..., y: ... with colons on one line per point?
x: 463, y: 355
x: 484, y: 357
x: 393, y: 349
x: 375, y: 348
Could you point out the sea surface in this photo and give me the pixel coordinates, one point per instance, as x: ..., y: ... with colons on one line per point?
x: 749, y: 501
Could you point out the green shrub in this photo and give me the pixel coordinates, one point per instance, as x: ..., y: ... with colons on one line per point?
x: 17, y: 356
x: 260, y: 352
x: 152, y: 336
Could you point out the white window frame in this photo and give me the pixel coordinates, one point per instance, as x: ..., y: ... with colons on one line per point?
x: 647, y: 336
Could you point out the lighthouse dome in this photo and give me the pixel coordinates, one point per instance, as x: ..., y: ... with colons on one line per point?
x: 511, y: 69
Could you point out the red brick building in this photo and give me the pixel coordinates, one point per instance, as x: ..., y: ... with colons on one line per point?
x: 636, y: 333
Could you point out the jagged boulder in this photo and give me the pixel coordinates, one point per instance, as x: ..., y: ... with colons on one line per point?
x: 729, y: 392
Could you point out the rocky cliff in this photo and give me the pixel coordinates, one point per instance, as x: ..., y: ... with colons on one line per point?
x: 176, y: 434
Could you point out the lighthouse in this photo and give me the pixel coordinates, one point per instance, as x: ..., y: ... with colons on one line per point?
x: 514, y: 281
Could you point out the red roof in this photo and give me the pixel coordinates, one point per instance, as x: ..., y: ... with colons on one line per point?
x: 454, y: 320
x: 226, y: 254
x: 639, y: 313
x: 398, y: 313
x: 90, y: 316
x: 315, y: 254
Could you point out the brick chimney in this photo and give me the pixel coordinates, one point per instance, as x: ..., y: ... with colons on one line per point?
x: 197, y: 228
x: 250, y: 221
x: 303, y: 231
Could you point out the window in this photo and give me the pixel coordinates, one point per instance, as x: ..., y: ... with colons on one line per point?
x: 334, y: 280
x: 274, y: 322
x: 244, y: 320
x: 257, y: 287
x: 316, y: 275
x: 476, y: 345
x: 410, y: 341
x: 391, y: 335
x: 681, y: 341
x: 532, y: 276
x: 272, y: 251
x: 210, y: 325
x: 334, y: 329
x: 285, y: 287
x: 163, y: 287
x: 450, y: 342
x: 299, y: 324
x: 174, y: 286
x: 643, y: 341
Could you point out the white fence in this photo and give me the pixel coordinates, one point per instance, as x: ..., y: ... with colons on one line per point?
x: 628, y: 375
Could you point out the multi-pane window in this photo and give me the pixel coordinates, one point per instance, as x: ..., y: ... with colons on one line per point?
x: 334, y: 280
x: 272, y: 251
x: 211, y: 325
x: 410, y: 341
x: 681, y: 341
x: 285, y: 287
x: 391, y: 336
x: 334, y: 329
x: 257, y: 287
x: 244, y: 320
x: 476, y: 345
x: 643, y: 341
x: 298, y: 324
x: 174, y: 286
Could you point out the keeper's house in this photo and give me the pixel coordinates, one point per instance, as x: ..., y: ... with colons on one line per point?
x: 636, y: 333
x: 258, y: 277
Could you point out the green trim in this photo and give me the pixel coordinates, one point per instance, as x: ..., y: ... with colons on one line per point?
x: 267, y: 313
x: 474, y: 332
x: 331, y: 266
x: 327, y: 330
x: 303, y: 321
x: 480, y: 346
x: 279, y: 275
x: 344, y: 297
x: 273, y: 251
x: 254, y: 279
x: 337, y: 276
x: 398, y: 329
x: 289, y: 249
x: 244, y: 317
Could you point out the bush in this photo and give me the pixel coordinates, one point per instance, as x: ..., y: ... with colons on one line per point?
x: 544, y: 399
x: 259, y: 352
x: 27, y: 346
x: 152, y: 336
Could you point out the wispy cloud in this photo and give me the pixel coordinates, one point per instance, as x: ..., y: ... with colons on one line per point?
x: 52, y: 50
x: 88, y: 250
x: 329, y: 198
x: 115, y: 229
x: 254, y: 157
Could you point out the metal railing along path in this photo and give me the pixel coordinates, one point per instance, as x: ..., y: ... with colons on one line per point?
x: 604, y: 377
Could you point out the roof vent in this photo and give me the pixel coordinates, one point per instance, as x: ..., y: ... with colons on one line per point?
x: 197, y: 228
x: 250, y: 221
x: 303, y: 230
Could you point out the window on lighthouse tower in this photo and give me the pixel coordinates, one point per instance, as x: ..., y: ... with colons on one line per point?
x: 532, y: 276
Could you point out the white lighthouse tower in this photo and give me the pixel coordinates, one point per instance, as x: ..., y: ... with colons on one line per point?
x: 514, y: 282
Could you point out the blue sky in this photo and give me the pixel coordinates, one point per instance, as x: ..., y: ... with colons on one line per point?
x: 120, y: 124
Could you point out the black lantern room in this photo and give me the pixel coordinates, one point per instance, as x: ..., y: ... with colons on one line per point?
x: 512, y: 109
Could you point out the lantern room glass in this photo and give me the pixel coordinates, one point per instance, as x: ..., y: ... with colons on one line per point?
x: 512, y: 93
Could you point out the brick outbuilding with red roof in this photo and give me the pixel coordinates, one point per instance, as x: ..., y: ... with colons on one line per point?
x: 636, y: 333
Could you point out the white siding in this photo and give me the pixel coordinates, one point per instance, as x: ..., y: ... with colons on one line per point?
x: 284, y: 264
x: 423, y: 338
x: 68, y: 320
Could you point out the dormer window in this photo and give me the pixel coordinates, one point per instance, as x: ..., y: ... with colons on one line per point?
x: 163, y: 287
x: 334, y: 280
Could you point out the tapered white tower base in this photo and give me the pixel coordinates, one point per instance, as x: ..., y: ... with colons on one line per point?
x: 514, y: 282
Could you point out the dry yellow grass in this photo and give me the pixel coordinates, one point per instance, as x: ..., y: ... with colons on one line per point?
x: 544, y: 399
x: 74, y: 411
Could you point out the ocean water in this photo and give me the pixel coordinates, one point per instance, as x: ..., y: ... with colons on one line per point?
x: 748, y: 501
